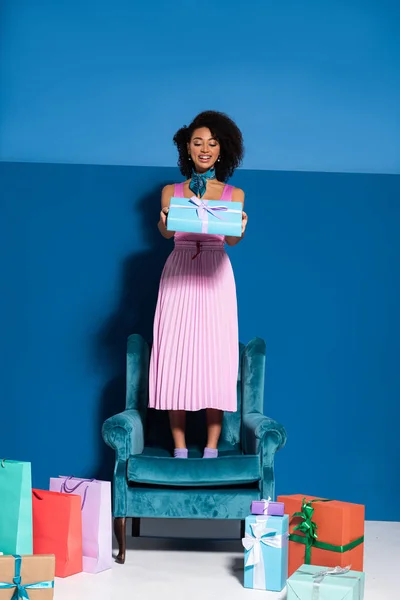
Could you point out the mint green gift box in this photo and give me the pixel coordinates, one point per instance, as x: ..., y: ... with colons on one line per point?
x: 325, y: 583
x: 15, y: 507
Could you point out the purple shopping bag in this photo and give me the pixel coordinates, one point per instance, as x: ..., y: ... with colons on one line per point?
x: 96, y: 519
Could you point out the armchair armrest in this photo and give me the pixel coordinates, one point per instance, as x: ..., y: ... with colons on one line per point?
x: 256, y: 429
x: 263, y: 436
x: 124, y: 433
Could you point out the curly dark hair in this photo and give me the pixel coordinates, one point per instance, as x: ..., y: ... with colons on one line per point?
x: 225, y: 131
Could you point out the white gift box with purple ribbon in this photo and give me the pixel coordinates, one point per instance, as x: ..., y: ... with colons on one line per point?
x: 195, y: 215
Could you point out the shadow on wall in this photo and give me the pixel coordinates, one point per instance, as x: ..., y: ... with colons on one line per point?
x: 140, y: 279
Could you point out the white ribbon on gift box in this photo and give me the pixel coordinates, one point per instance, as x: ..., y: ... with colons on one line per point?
x: 261, y: 534
x: 266, y: 504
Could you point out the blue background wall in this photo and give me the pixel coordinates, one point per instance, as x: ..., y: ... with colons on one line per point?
x: 317, y: 274
x: 315, y: 86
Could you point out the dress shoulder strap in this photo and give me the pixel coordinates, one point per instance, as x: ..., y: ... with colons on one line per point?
x: 227, y: 193
x: 178, y: 190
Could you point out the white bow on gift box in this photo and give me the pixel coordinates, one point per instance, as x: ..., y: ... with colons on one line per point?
x: 261, y: 534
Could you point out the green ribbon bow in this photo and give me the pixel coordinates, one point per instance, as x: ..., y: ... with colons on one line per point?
x: 309, y: 528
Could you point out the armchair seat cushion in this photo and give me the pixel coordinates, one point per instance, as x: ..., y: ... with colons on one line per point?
x: 226, y: 470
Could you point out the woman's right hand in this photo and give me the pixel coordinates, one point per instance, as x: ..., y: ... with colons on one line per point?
x: 163, y: 216
x: 167, y: 194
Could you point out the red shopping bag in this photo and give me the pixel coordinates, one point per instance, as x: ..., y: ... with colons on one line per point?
x: 57, y: 529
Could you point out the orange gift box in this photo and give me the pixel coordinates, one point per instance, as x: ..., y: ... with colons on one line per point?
x: 332, y: 530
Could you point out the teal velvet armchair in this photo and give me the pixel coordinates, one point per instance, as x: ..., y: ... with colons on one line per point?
x: 149, y: 482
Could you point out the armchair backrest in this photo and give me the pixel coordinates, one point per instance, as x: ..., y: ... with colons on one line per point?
x: 157, y: 424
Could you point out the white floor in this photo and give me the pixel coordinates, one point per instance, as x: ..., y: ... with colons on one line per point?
x: 202, y: 569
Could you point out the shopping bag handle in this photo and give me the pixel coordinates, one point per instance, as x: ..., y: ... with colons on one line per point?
x: 72, y: 489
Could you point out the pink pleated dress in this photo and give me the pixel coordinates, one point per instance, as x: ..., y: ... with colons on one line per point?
x: 195, y: 353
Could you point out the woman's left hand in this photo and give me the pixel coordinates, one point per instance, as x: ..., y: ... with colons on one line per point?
x: 244, y: 222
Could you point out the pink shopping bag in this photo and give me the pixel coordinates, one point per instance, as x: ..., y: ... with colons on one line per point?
x: 96, y: 519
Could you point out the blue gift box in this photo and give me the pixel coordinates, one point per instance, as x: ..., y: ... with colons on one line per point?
x: 325, y: 583
x: 266, y: 552
x: 195, y: 215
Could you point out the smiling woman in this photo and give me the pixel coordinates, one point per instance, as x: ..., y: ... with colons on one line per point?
x: 210, y: 133
x: 203, y: 148
x: 194, y: 361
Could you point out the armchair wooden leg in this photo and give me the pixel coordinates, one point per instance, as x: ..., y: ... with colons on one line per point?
x: 120, y: 534
x: 242, y: 529
x: 135, y: 527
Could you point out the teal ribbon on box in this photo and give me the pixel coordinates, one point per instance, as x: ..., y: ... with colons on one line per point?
x: 319, y: 577
x: 21, y: 591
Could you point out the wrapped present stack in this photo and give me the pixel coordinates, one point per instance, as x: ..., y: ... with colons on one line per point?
x: 318, y: 543
x: 266, y: 546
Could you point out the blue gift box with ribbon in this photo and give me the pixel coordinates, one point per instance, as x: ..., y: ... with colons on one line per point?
x: 325, y: 583
x: 266, y: 552
x: 195, y: 215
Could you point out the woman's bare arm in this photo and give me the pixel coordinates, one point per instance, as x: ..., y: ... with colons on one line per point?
x: 166, y: 196
x: 237, y: 196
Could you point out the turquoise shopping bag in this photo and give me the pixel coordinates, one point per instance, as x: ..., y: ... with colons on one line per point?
x: 15, y: 507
